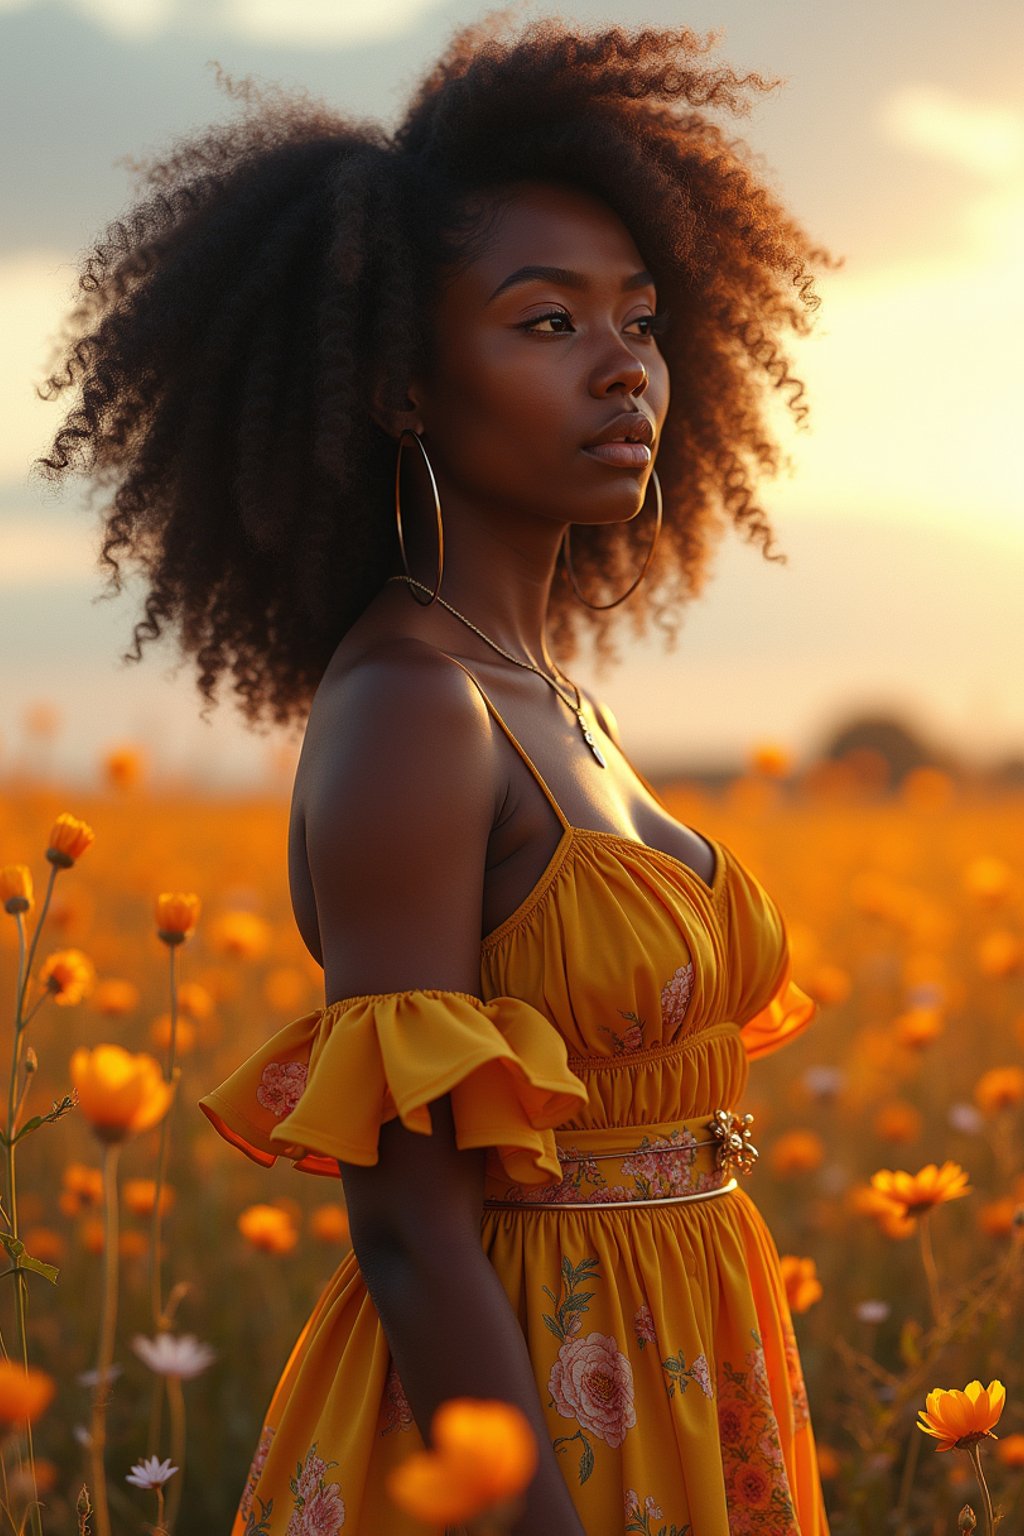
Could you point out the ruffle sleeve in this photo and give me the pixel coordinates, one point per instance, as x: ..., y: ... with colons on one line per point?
x: 319, y: 1090
x: 766, y: 1002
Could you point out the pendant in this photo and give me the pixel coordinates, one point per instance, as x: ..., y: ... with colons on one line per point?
x: 588, y: 738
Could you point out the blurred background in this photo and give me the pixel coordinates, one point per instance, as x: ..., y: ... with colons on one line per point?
x: 897, y: 138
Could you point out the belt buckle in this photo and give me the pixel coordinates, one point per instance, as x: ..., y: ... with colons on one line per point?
x: 736, y: 1150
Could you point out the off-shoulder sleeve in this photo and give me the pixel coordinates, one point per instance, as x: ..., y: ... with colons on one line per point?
x: 319, y: 1090
x: 766, y: 1002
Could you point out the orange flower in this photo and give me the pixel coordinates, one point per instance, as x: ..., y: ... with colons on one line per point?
x: 194, y: 1000
x: 1010, y: 1451
x: 828, y: 983
x: 16, y: 888
x: 184, y: 1034
x: 769, y: 758
x: 898, y: 1120
x: 1000, y: 953
x: 329, y: 1224
x: 958, y: 1420
x: 23, y: 1393
x: 44, y: 1243
x: 177, y: 913
x: 803, y: 1288
x: 242, y: 934
x: 1001, y: 1088
x: 268, y: 1228
x: 119, y: 1092
x: 69, y: 975
x: 996, y: 1218
x: 123, y: 767
x: 69, y: 838
x: 140, y: 1196
x: 829, y: 1465
x: 485, y: 1453
x: 913, y: 1193
x: 83, y: 1186
x: 114, y: 998
x: 797, y: 1151
x: 866, y: 1201
x: 988, y: 878
x: 919, y: 1026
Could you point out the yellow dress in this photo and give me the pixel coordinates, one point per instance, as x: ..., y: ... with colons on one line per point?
x: 619, y: 1007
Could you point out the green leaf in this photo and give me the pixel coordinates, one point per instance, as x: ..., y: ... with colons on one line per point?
x: 586, y: 1461
x: 578, y: 1301
x: 48, y: 1271
x: 558, y: 1332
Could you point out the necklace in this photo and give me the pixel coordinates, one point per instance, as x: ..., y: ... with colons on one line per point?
x: 576, y: 706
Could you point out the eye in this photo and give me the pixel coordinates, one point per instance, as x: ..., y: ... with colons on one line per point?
x: 656, y: 323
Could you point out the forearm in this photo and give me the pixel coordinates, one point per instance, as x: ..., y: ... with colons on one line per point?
x: 452, y: 1333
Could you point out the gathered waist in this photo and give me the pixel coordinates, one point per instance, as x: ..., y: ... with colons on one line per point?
x: 666, y: 1163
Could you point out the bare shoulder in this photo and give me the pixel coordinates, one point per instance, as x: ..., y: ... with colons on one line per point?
x: 400, y: 790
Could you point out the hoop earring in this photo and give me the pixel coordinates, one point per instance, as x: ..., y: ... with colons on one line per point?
x: 643, y: 569
x: 408, y: 432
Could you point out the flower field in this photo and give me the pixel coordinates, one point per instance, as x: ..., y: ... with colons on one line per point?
x: 891, y: 1139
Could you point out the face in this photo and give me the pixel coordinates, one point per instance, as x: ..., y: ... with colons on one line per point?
x: 526, y: 372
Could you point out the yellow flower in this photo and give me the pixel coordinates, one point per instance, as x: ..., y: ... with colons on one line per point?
x: 177, y: 913
x: 1001, y: 1088
x: 269, y: 1228
x: 16, y: 888
x: 803, y: 1288
x: 914, y: 1193
x: 69, y: 838
x: 119, y: 1092
x: 485, y: 1453
x: 959, y: 1420
x: 69, y: 974
x: 919, y: 1026
x: 23, y: 1393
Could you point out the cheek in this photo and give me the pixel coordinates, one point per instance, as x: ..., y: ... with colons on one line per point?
x: 498, y: 399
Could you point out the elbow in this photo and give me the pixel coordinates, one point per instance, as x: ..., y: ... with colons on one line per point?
x: 405, y: 1250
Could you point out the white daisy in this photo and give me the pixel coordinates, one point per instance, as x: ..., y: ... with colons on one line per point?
x: 170, y: 1354
x: 150, y: 1473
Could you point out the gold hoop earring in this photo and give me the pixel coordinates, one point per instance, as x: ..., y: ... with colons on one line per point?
x: 408, y: 432
x: 643, y: 569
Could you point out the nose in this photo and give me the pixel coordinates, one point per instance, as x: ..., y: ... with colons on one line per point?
x: 621, y: 370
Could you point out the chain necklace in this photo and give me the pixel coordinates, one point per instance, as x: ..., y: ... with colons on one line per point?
x: 576, y: 706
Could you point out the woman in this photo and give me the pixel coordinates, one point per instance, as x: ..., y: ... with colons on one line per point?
x: 539, y: 1131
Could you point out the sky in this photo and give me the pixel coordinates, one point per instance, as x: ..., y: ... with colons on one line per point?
x: 897, y: 139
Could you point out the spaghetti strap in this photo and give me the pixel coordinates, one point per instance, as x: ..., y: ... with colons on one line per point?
x: 527, y: 759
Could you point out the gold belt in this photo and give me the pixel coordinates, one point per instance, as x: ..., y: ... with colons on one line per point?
x: 664, y: 1164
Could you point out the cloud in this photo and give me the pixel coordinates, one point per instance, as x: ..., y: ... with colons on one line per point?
x: 287, y: 23
x: 37, y: 290
x: 985, y: 139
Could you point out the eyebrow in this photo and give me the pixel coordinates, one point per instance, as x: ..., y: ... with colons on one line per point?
x: 566, y: 278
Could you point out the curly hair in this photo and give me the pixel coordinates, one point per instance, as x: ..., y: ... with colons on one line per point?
x: 226, y: 328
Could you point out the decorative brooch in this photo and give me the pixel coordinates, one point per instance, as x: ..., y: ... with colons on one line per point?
x: 736, y: 1151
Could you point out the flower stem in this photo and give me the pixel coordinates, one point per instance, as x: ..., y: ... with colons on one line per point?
x: 160, y: 1322
x: 930, y: 1269
x: 176, y: 1399
x: 105, y: 1352
x: 974, y: 1452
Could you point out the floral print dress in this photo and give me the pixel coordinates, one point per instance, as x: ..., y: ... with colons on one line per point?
x: 619, y: 1007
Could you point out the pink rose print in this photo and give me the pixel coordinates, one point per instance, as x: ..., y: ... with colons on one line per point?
x: 256, y: 1469
x: 675, y: 997
x: 643, y: 1326
x: 626, y: 1040
x: 702, y: 1376
x: 651, y: 1510
x: 281, y: 1086
x: 592, y: 1381
x: 319, y: 1507
x: 632, y: 1502
x: 663, y: 1166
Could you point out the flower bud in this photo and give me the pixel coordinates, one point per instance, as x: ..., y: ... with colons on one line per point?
x: 968, y: 1520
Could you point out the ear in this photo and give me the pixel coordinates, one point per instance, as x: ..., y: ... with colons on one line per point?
x: 396, y: 410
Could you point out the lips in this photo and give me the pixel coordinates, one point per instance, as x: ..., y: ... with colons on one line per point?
x: 633, y: 426
x: 626, y: 455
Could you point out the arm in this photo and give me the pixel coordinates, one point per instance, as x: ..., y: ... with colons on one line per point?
x: 406, y: 788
